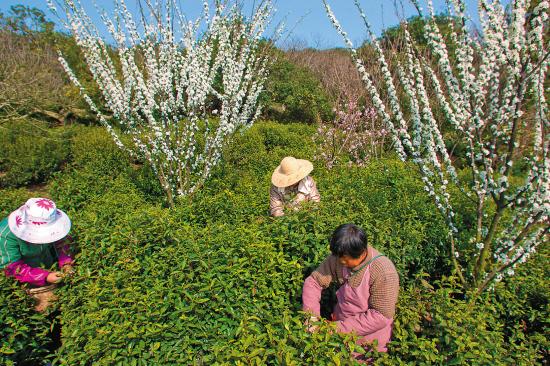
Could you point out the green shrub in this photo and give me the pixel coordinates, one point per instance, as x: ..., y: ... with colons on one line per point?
x: 523, y: 304
x: 25, y: 335
x: 436, y: 326
x: 153, y: 288
x: 218, y: 281
x: 95, y: 148
x: 30, y: 152
x: 11, y: 199
x: 258, y: 150
x: 96, y: 164
x: 293, y: 93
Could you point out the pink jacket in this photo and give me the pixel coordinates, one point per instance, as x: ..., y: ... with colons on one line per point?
x: 24, y: 273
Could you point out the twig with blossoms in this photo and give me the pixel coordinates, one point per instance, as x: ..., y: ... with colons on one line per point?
x: 165, y: 75
x: 484, y: 95
x: 353, y: 137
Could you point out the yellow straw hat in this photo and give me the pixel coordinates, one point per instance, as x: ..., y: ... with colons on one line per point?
x: 291, y: 171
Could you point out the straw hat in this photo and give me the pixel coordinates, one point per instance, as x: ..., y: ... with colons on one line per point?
x: 291, y: 171
x: 38, y: 221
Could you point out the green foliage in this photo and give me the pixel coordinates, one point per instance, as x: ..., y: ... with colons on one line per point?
x: 24, y: 335
x: 30, y: 152
x: 94, y: 148
x: 25, y: 20
x: 523, y: 302
x: 256, y: 152
x: 292, y: 93
x: 394, y: 36
x: 96, y: 164
x: 11, y: 199
x: 435, y: 325
x: 217, y: 281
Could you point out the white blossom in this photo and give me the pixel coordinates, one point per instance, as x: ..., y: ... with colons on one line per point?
x: 483, y: 94
x: 169, y: 72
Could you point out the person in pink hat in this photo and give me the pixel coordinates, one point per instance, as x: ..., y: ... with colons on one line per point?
x: 291, y: 185
x: 32, y: 239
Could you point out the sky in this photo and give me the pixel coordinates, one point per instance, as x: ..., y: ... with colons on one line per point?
x: 306, y: 22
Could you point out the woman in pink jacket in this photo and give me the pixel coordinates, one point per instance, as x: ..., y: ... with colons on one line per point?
x: 369, y: 286
x: 32, y: 239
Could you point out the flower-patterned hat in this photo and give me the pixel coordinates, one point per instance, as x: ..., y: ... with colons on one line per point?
x: 291, y: 171
x: 39, y: 221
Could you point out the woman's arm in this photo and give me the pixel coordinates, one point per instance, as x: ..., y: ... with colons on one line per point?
x: 24, y: 273
x: 320, y: 279
x: 276, y: 202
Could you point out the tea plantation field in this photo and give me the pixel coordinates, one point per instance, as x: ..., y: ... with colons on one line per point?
x: 216, y: 281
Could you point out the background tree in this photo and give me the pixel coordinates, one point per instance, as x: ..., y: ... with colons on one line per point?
x: 293, y: 93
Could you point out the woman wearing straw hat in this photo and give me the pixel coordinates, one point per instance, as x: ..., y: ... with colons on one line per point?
x: 291, y: 186
x: 32, y: 238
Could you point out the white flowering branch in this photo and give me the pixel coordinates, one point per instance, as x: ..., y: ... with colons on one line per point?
x: 487, y: 90
x: 164, y: 74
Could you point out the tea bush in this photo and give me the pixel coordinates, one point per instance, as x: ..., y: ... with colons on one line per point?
x: 24, y: 335
x: 293, y: 93
x: 11, y: 198
x: 30, y: 152
x: 435, y: 325
x: 161, y: 291
x: 94, y: 147
x: 96, y: 163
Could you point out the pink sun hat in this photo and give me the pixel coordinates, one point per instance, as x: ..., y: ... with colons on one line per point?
x: 39, y: 221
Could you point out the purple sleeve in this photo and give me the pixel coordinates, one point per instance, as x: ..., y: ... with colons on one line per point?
x: 364, y: 323
x: 311, y: 296
x: 24, y: 273
x: 63, y: 256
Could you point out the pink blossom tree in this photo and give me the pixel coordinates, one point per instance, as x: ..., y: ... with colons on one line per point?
x: 352, y: 138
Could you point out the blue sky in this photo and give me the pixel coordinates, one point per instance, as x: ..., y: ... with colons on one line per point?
x: 306, y: 20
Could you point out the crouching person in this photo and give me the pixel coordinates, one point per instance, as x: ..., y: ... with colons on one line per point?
x: 291, y: 186
x: 369, y: 286
x: 33, y: 238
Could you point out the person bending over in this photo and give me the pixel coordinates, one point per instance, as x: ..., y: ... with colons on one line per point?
x: 32, y: 239
x: 369, y: 287
x: 291, y: 185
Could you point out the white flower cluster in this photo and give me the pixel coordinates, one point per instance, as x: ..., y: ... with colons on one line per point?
x: 162, y: 77
x: 483, y: 93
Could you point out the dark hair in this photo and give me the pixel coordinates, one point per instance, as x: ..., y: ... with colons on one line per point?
x: 348, y: 239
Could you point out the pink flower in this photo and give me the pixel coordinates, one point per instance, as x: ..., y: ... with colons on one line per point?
x: 45, y: 203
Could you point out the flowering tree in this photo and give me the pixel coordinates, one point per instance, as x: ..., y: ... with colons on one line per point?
x: 354, y: 135
x: 165, y: 73
x: 491, y: 92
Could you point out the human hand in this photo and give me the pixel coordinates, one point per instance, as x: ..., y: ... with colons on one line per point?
x: 68, y: 269
x: 54, y: 277
x: 310, y: 327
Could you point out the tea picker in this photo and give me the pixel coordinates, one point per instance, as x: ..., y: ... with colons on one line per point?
x: 291, y: 185
x: 32, y: 239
